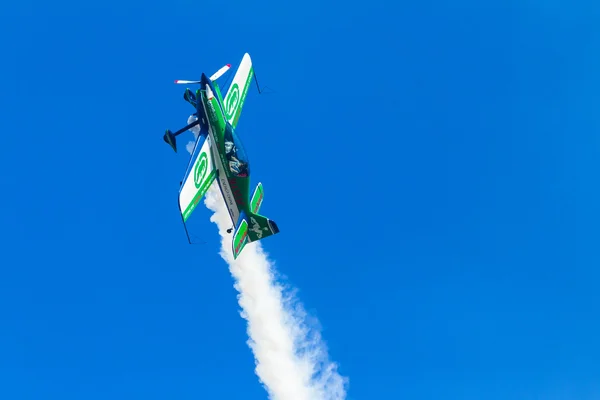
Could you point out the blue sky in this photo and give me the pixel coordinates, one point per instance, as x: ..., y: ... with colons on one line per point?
x: 432, y: 167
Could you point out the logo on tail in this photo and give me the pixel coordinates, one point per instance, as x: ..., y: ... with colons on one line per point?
x: 256, y: 228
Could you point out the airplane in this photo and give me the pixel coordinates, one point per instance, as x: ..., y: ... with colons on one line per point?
x: 218, y: 154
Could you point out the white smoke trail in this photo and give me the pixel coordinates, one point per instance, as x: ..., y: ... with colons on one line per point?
x: 291, y: 359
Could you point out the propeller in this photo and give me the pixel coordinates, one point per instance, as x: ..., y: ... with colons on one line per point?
x: 213, y: 78
x: 220, y: 72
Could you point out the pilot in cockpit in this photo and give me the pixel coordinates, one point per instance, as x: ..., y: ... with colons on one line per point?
x: 239, y: 168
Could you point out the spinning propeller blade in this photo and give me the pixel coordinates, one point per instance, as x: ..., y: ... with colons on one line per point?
x: 184, y: 82
x: 220, y: 72
x: 213, y: 78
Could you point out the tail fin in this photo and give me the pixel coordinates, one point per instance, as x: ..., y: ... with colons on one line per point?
x: 257, y: 198
x: 250, y: 228
x: 260, y: 227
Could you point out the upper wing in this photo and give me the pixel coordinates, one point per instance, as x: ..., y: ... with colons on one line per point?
x: 236, y: 94
x: 199, y: 176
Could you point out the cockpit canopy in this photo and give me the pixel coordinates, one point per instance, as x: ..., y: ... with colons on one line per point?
x: 234, y: 152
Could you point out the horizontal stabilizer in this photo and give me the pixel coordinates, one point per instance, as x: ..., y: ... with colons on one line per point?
x: 257, y: 198
x: 240, y: 237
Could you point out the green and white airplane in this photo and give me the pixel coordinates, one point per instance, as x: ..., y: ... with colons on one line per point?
x: 219, y: 154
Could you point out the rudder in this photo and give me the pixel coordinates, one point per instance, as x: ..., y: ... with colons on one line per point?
x: 260, y: 227
x: 250, y: 228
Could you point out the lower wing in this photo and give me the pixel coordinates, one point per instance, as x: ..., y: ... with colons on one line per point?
x: 199, y: 176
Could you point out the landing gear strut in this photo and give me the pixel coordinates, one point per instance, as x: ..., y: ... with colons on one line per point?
x: 169, y: 136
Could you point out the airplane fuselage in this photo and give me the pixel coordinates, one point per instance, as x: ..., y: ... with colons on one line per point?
x: 233, y: 188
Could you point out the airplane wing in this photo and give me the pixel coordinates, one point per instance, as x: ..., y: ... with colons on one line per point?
x: 236, y: 94
x: 199, y: 175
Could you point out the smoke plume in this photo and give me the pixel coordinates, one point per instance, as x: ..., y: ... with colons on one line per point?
x: 291, y: 358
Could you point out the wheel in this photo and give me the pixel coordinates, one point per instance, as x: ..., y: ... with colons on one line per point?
x: 229, y: 230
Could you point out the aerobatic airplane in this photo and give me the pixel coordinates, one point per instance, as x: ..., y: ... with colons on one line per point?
x: 218, y: 154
